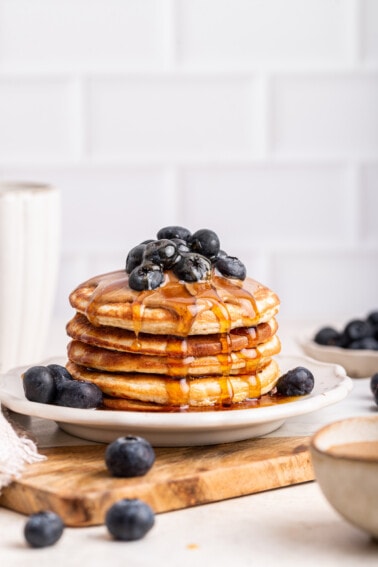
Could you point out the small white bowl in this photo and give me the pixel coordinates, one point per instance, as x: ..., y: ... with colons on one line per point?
x: 357, y: 363
x: 345, y: 470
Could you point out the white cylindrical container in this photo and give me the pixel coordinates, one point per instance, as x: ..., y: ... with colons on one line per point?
x: 29, y: 259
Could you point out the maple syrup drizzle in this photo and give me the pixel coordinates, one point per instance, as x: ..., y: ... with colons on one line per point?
x: 185, y: 301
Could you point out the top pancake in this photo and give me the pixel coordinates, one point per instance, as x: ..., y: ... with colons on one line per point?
x: 178, y: 308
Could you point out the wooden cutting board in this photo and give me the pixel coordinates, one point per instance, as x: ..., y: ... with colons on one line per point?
x: 74, y: 481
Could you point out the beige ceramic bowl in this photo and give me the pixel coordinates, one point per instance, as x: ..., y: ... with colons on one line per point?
x: 345, y: 460
x: 357, y: 363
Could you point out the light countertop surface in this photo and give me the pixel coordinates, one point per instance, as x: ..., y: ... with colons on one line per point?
x: 294, y: 525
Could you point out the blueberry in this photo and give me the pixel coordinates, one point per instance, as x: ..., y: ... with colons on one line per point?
x: 298, y: 381
x: 135, y: 257
x: 129, y: 519
x: 171, y: 232
x: 39, y: 385
x: 231, y: 267
x: 162, y: 253
x: 192, y: 268
x: 221, y: 254
x: 367, y: 343
x: 129, y: 456
x: 327, y: 336
x: 205, y: 242
x: 372, y: 318
x: 181, y: 245
x: 43, y: 529
x: 146, y: 276
x: 374, y: 383
x: 60, y: 375
x: 79, y: 394
x: 355, y: 330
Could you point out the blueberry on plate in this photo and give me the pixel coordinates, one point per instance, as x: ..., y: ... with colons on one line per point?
x: 298, y: 381
x: 39, y: 385
x: 161, y: 252
x: 192, y: 268
x: 129, y: 519
x: 146, y: 276
x: 327, y: 336
x: 60, y: 375
x: 135, y: 257
x: 171, y: 232
x: 129, y: 456
x: 43, y: 529
x: 231, y: 267
x: 79, y: 394
x: 205, y: 242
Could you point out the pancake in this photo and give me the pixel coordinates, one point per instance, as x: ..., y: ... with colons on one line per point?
x: 240, y: 362
x: 192, y: 392
x: 215, y: 305
x: 112, y: 338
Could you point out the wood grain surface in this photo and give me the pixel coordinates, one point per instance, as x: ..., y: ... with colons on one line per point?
x: 75, y: 483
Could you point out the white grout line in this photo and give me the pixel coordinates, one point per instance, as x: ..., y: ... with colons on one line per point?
x: 78, y: 117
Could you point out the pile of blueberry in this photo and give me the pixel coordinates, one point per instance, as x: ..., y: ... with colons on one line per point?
x: 128, y: 519
x: 358, y: 334
x: 53, y: 384
x: 191, y: 257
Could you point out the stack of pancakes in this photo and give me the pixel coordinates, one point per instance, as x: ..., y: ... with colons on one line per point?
x: 207, y: 344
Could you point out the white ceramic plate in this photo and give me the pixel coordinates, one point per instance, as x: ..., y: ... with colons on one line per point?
x: 183, y: 429
x: 357, y: 363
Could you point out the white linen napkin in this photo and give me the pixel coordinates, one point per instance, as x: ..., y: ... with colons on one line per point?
x: 16, y: 450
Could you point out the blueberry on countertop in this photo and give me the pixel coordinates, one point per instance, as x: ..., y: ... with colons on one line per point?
x: 79, y: 394
x: 129, y: 519
x: 298, y: 381
x: 205, y: 242
x: 192, y: 268
x: 171, y: 232
x: 374, y: 383
x: 43, y: 529
x: 231, y: 267
x: 146, y: 276
x: 39, y: 385
x: 129, y: 456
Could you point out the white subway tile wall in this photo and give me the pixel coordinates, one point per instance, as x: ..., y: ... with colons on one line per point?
x: 258, y: 119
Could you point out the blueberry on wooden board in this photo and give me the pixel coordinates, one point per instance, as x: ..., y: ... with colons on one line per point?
x: 129, y: 456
